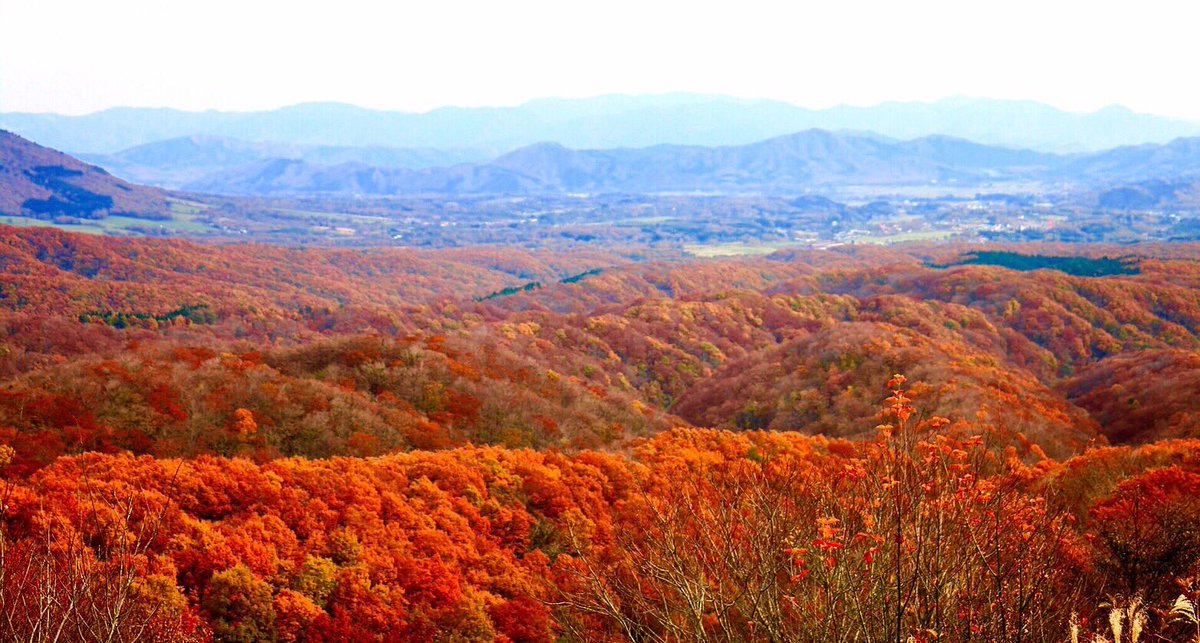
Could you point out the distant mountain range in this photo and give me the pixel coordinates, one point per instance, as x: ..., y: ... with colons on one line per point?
x: 40, y: 182
x: 177, y: 162
x: 794, y: 164
x: 1153, y: 194
x: 601, y: 123
x: 813, y: 161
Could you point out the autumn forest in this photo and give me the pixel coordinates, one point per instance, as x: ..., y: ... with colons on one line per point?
x: 920, y: 443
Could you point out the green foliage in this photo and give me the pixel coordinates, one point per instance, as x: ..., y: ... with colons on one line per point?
x: 511, y: 290
x: 66, y: 198
x: 1077, y: 266
x: 581, y: 276
x: 316, y: 579
x: 196, y: 314
x: 240, y: 606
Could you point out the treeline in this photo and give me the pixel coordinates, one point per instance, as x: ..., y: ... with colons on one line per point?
x: 1072, y: 265
x: 535, y: 285
x: 511, y: 290
x: 196, y: 314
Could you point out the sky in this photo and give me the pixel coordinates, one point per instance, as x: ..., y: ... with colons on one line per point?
x: 80, y: 56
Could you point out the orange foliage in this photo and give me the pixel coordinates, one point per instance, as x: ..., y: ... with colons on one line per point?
x: 357, y: 449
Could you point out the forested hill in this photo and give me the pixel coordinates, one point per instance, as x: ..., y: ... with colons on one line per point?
x: 41, y: 182
x: 799, y: 335
x: 247, y: 442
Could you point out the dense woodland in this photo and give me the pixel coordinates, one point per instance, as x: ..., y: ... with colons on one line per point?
x: 245, y: 443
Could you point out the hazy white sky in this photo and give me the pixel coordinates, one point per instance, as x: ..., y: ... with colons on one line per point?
x: 76, y: 56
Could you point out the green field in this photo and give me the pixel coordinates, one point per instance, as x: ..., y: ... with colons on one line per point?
x: 316, y: 214
x: 640, y: 221
x: 733, y: 249
x: 920, y: 235
x: 114, y: 225
x: 184, y: 207
x: 29, y: 222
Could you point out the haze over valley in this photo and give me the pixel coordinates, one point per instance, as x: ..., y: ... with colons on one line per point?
x: 811, y: 187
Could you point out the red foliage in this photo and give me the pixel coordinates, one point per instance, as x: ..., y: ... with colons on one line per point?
x: 304, y: 467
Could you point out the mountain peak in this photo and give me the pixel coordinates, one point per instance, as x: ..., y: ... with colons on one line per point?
x: 544, y: 150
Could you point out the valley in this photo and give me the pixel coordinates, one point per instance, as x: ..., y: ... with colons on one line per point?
x: 821, y: 386
x: 561, y: 322
x: 860, y: 205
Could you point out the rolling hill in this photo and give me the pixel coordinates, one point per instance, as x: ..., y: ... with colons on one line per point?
x: 1176, y: 159
x: 175, y: 162
x: 793, y: 163
x: 796, y: 163
x: 42, y: 183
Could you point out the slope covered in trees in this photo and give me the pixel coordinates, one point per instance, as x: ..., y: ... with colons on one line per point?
x: 250, y: 442
x: 698, y: 535
x: 44, y: 183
